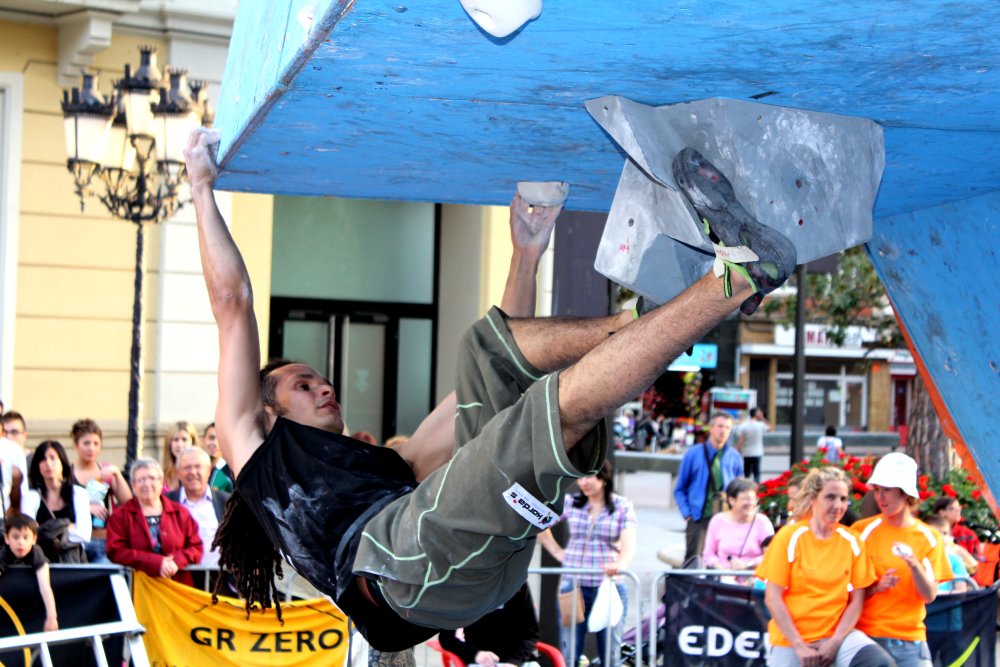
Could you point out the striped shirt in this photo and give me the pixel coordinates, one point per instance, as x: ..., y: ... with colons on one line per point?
x: 592, y: 544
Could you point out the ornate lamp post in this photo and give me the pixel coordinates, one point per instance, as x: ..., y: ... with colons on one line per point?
x: 133, y: 144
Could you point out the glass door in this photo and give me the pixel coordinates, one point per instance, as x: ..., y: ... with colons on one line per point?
x: 362, y: 376
x: 379, y: 358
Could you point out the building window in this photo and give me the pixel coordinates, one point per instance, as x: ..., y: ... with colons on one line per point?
x: 839, y: 400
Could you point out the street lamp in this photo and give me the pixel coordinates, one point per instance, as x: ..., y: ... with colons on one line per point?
x: 134, y: 145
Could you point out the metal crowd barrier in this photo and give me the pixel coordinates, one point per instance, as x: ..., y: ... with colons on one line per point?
x: 132, y: 630
x: 634, y: 610
x: 656, y: 594
x: 286, y: 585
x: 129, y: 627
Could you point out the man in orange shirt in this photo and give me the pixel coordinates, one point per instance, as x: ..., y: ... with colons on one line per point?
x: 909, y: 559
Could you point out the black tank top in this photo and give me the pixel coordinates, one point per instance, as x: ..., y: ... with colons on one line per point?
x: 312, y: 492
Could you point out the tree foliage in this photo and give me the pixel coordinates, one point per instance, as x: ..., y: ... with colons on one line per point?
x: 852, y: 295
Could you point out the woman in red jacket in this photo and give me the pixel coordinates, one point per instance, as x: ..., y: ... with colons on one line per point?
x: 151, y: 533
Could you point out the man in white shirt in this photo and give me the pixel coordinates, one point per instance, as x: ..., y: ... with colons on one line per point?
x: 204, y: 504
x: 14, y: 469
x: 751, y: 443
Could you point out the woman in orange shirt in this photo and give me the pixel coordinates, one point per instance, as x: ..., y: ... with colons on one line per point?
x: 816, y: 572
x: 909, y: 560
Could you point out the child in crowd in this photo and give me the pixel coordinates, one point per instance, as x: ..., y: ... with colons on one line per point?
x: 955, y: 560
x: 831, y: 446
x: 20, y: 536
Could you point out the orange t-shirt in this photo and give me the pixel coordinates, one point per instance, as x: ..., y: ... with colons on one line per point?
x: 817, y: 575
x: 898, y: 613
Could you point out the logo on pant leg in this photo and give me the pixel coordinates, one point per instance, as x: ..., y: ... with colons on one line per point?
x: 530, y: 508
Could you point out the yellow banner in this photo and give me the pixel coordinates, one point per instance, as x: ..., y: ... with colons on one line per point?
x: 184, y: 629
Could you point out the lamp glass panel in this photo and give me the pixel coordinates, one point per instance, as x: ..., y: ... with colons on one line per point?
x: 138, y: 114
x: 69, y: 128
x: 92, y: 137
x: 159, y: 128
x: 118, y: 152
x: 178, y: 128
x: 85, y: 137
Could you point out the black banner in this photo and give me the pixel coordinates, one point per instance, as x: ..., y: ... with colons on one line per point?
x: 961, y: 628
x: 83, y: 597
x: 712, y: 623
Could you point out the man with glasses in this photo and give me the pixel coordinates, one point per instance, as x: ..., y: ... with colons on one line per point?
x: 15, y: 428
x: 13, y: 463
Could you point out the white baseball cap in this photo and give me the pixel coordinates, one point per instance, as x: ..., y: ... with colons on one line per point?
x: 896, y: 470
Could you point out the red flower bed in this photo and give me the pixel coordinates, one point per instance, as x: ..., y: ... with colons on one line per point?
x: 773, y: 493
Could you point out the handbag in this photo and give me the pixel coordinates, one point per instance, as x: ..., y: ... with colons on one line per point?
x: 567, y: 601
x: 607, y: 609
x: 54, y: 539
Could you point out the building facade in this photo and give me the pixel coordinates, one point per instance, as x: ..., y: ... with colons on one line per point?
x: 343, y: 276
x: 852, y: 387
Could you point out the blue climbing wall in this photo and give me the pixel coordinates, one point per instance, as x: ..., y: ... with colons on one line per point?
x: 410, y: 100
x: 940, y: 268
x: 393, y: 99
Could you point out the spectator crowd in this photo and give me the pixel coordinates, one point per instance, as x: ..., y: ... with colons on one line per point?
x: 161, y: 517
x: 160, y: 520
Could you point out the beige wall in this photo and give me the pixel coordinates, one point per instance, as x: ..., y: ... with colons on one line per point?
x: 74, y: 270
x: 462, y: 287
x: 75, y: 273
x: 879, y: 396
x: 475, y: 258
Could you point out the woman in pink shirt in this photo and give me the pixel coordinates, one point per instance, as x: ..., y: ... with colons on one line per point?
x: 733, y: 540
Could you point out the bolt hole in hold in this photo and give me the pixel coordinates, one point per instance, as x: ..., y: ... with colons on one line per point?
x: 798, y: 183
x: 801, y: 222
x: 994, y: 367
x: 631, y: 222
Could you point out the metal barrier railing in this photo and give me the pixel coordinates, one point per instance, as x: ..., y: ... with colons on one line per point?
x: 635, y: 609
x: 132, y: 630
x: 128, y: 626
x: 287, y: 583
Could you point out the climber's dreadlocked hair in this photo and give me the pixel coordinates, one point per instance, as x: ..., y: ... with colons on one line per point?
x: 246, y: 551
